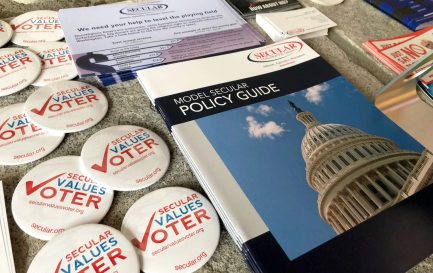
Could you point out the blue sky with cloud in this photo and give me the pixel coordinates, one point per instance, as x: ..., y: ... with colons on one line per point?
x: 261, y: 146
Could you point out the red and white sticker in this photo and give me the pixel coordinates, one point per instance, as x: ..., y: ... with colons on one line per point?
x: 57, y: 63
x: 126, y: 157
x: 18, y: 69
x: 21, y: 141
x: 173, y: 230
x: 5, y: 33
x: 56, y: 195
x: 36, y: 27
x: 87, y: 249
x: 66, y: 106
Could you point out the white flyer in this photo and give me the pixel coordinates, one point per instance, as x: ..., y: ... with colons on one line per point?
x: 118, y: 37
x: 124, y: 24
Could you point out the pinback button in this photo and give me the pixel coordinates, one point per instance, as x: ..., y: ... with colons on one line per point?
x: 18, y: 69
x: 125, y: 157
x: 5, y: 33
x: 66, y: 106
x: 36, y: 27
x: 173, y: 230
x: 21, y: 141
x: 88, y: 248
x: 55, y: 196
x: 57, y: 63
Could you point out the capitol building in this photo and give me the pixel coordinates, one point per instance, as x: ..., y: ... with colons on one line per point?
x: 357, y: 175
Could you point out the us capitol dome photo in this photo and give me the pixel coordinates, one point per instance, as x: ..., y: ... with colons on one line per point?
x: 357, y: 175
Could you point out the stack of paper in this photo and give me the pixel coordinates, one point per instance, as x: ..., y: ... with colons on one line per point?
x: 6, y: 256
x: 400, y: 53
x: 304, y: 23
x: 114, y: 41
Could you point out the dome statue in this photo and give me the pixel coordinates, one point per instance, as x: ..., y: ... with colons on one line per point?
x: 356, y: 174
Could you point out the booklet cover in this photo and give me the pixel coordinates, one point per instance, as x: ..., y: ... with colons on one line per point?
x: 305, y: 172
x: 249, y: 8
x: 415, y: 15
x: 118, y: 39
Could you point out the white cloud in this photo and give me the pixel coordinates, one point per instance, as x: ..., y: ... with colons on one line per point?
x: 314, y: 93
x: 263, y: 130
x: 262, y: 109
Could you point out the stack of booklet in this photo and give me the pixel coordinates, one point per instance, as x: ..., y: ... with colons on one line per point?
x: 114, y: 41
x: 400, y: 53
x: 301, y: 182
x: 415, y: 15
x: 249, y: 8
x: 6, y: 257
x: 304, y: 23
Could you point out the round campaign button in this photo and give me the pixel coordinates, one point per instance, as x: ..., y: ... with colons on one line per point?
x: 18, y: 69
x: 66, y: 106
x: 55, y: 196
x: 173, y: 230
x: 57, y: 63
x: 5, y: 33
x: 36, y: 27
x: 125, y: 157
x: 87, y: 249
x: 21, y: 141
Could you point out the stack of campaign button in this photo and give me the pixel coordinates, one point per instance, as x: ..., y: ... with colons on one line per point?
x: 20, y: 67
x: 45, y: 62
x: 62, y: 199
x: 32, y: 130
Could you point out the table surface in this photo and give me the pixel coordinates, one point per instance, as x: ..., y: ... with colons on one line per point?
x: 357, y: 22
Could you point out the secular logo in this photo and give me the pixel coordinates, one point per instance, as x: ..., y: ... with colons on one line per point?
x: 275, y: 52
x: 143, y: 9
